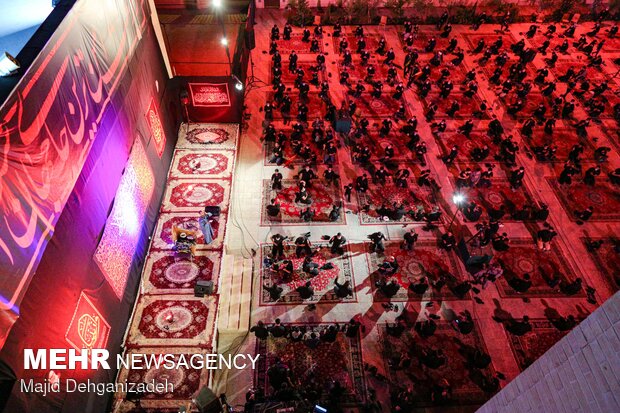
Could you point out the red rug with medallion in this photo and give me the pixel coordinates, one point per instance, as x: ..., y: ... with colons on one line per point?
x: 323, y: 198
x: 296, y: 44
x: 372, y: 108
x: 468, y: 105
x: 173, y: 321
x: 339, y: 361
x: 462, y: 378
x: 193, y: 194
x: 188, y: 163
x: 523, y: 257
x: 162, y: 237
x: 426, y: 260
x: 529, y: 347
x: 323, y: 284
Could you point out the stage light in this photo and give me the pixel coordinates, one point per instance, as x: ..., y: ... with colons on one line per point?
x: 224, y: 41
x: 458, y: 198
x: 216, y: 3
x: 8, y: 64
x: 238, y: 83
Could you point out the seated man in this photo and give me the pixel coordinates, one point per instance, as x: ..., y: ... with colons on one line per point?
x: 448, y: 241
x: 342, y: 290
x: 273, y: 209
x: 310, y: 267
x: 389, y: 266
x: 184, y: 240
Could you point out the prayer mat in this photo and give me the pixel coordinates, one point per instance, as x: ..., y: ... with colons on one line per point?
x: 288, y: 78
x: 464, y: 379
x: 603, y: 196
x: 422, y: 38
x: 291, y: 158
x: 500, y: 193
x: 340, y: 361
x: 316, y: 106
x: 426, y: 260
x: 193, y: 194
x: 593, y: 74
x: 468, y: 105
x: 533, y: 100
x: 358, y: 72
x: 413, y: 198
x: 554, y: 42
x: 185, y: 381
x: 523, y: 257
x: 323, y: 198
x: 529, y: 347
x: 190, y: 163
x: 564, y: 139
x: 162, y: 237
x: 489, y: 38
x: 285, y: 47
x: 208, y: 136
x: 477, y: 139
x: 323, y: 283
x: 164, y: 273
x: 173, y: 321
x: 607, y: 261
x: 372, y: 42
x: 457, y: 73
x: 372, y: 108
x: 377, y: 145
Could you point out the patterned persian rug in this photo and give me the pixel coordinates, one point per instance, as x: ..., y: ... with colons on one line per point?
x: 341, y: 361
x: 173, y: 321
x: 426, y: 260
x: 323, y: 284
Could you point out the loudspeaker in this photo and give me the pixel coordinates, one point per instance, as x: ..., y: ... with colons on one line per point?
x: 203, y: 287
x: 207, y: 401
x: 250, y: 42
x: 213, y: 210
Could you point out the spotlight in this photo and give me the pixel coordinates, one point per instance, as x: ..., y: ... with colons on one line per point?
x: 224, y: 41
x: 238, y: 83
x: 216, y: 3
x: 458, y: 198
x: 8, y: 64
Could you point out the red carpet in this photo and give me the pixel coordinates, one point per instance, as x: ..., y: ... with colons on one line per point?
x: 578, y: 196
x: 497, y: 195
x: 489, y: 38
x: 531, y: 103
x: 288, y: 78
x: 162, y: 238
x: 323, y: 284
x: 468, y: 105
x: 195, y: 164
x: 412, y: 197
x: 524, y: 257
x: 465, y: 391
x: 290, y: 156
x: 530, y: 347
x: 193, y: 194
x: 377, y: 146
x: 372, y: 41
x: 477, y: 139
x: 323, y: 198
x: 295, y: 44
x: 425, y: 260
x: 185, y: 380
x: 372, y: 108
x: 192, y: 322
x: 341, y: 361
x: 358, y: 72
x: 592, y: 74
x: 170, y: 275
x: 607, y: 261
x: 316, y: 107
x: 208, y: 136
x: 564, y: 139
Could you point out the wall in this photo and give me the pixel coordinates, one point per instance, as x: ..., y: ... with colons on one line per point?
x: 123, y: 91
x: 580, y: 373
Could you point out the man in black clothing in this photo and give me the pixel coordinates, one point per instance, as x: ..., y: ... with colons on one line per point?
x: 277, y: 250
x: 278, y: 329
x: 448, y: 241
x: 409, y: 239
x: 303, y: 246
x: 275, y: 291
x: 276, y: 181
x: 260, y: 331
x: 377, y: 239
x: 273, y: 209
x: 544, y: 237
x: 307, y: 175
x: 305, y: 291
x: 342, y: 290
x: 337, y: 242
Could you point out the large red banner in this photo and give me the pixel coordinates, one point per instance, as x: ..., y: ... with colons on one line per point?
x: 47, y: 128
x: 214, y: 95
